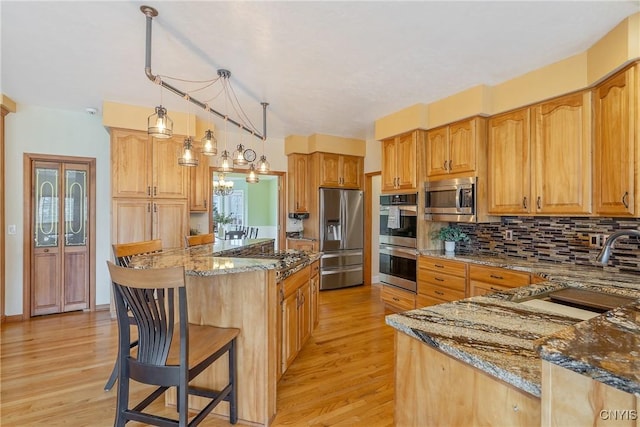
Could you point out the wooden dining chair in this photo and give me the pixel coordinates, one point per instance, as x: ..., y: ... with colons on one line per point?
x: 122, y: 254
x: 171, y: 351
x: 199, y: 239
x: 253, y: 233
x: 234, y: 234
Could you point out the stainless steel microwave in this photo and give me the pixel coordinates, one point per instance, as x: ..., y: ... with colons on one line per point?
x: 451, y: 200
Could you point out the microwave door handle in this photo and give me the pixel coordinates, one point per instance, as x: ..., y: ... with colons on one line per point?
x: 458, y: 199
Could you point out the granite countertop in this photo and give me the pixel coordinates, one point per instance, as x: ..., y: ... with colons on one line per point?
x: 506, y: 339
x: 221, y: 257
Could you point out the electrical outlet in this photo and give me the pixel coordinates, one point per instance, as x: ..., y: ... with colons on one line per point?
x: 11, y: 229
x: 508, y: 235
x: 595, y: 241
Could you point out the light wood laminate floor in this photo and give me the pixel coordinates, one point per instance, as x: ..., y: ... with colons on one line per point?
x: 53, y: 369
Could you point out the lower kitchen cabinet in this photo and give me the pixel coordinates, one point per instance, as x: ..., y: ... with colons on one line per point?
x: 295, y: 315
x: 397, y: 299
x: 487, y: 280
x: 440, y: 280
x: 314, y: 283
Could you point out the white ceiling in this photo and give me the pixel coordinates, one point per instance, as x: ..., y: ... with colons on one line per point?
x: 324, y: 67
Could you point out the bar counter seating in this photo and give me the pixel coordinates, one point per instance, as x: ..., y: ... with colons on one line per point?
x: 171, y: 352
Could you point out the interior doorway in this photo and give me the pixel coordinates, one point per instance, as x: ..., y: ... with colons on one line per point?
x: 259, y: 205
x: 59, y: 238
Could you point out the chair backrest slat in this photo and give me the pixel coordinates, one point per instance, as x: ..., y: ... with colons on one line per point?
x: 149, y: 295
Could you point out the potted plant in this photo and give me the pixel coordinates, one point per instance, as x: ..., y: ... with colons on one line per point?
x: 220, y: 219
x: 450, y: 235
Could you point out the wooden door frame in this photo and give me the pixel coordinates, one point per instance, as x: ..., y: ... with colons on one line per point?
x: 282, y: 203
x: 28, y: 159
x: 368, y: 221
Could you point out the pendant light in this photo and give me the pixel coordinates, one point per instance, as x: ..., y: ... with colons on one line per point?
x: 209, y: 142
x: 159, y: 124
x: 188, y: 157
x: 252, y: 176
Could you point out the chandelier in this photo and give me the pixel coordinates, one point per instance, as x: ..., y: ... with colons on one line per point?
x: 221, y: 187
x: 160, y: 125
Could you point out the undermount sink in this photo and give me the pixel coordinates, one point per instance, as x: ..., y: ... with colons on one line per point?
x: 577, y: 303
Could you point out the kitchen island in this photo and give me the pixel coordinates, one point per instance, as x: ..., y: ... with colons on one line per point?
x: 484, y: 353
x: 236, y: 284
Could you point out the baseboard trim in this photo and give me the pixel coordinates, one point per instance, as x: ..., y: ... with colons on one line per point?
x: 14, y: 318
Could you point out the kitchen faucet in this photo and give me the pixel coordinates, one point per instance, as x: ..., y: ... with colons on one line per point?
x: 605, y: 253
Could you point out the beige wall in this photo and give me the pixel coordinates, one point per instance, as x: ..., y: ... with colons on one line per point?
x: 614, y: 50
x: 324, y: 143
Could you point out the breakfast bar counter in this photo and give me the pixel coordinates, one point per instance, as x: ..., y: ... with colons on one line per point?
x: 236, y: 285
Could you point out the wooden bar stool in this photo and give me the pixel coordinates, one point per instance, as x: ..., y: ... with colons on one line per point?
x: 122, y: 253
x: 171, y: 351
x: 199, y: 239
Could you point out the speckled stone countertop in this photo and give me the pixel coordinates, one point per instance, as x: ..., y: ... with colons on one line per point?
x: 221, y: 258
x: 506, y: 339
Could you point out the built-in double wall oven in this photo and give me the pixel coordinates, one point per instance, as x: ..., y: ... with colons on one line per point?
x: 398, y: 240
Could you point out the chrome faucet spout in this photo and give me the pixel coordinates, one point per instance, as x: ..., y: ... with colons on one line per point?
x: 605, y: 253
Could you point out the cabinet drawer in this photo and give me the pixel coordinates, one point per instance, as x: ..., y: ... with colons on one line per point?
x: 442, y: 293
x: 295, y: 281
x: 454, y: 268
x: 483, y: 288
x: 402, y: 300
x: 315, y: 268
x: 425, y: 301
x: 498, y: 276
x: 428, y: 277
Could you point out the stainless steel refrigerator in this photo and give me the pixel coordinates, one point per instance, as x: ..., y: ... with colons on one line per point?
x: 341, y: 238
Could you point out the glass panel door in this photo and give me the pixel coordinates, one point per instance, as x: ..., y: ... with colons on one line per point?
x: 75, y: 207
x: 46, y: 207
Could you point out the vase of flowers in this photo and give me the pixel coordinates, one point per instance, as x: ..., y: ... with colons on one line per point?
x: 450, y: 235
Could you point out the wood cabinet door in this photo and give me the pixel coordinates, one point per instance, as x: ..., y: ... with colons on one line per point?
x: 304, y: 314
x: 438, y: 152
x: 389, y: 161
x: 170, y: 222
x: 200, y: 186
x: 508, y: 163
x: 131, y: 220
x: 314, y: 281
x: 406, y: 161
x: 462, y: 146
x: 330, y: 172
x: 130, y: 164
x: 614, y: 145
x: 297, y: 179
x: 289, y: 308
x: 352, y: 169
x: 169, y: 178
x: 561, y: 155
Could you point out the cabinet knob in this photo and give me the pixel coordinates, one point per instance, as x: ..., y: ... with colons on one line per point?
x: 439, y: 293
x: 625, y: 199
x: 445, y: 165
x: 495, y: 276
x: 524, y: 202
x: 450, y: 163
x: 539, y: 202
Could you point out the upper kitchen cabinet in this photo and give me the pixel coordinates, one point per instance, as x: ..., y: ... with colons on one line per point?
x: 143, y: 166
x: 616, y: 136
x: 543, y: 166
x: 452, y: 151
x: 399, y: 161
x: 200, y: 185
x: 508, y: 163
x: 340, y: 171
x: 561, y: 155
x: 298, y: 181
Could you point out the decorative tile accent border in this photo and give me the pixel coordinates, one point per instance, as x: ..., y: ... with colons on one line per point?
x: 556, y: 239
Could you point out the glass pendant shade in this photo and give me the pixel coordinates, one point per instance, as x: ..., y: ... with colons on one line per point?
x: 263, y: 164
x: 209, y: 144
x: 225, y: 162
x: 187, y: 158
x: 252, y: 176
x: 160, y: 124
x: 238, y: 156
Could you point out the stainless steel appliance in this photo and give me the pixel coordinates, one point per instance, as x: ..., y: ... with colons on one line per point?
x: 402, y: 229
x: 398, y: 240
x: 341, y: 238
x: 451, y: 200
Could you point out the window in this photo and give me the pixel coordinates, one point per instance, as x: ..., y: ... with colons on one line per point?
x: 231, y: 207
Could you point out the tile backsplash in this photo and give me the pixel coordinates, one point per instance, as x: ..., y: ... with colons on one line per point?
x: 556, y: 239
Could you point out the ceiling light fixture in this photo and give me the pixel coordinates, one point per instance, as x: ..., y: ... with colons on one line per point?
x: 252, y: 177
x: 221, y: 187
x: 161, y: 126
